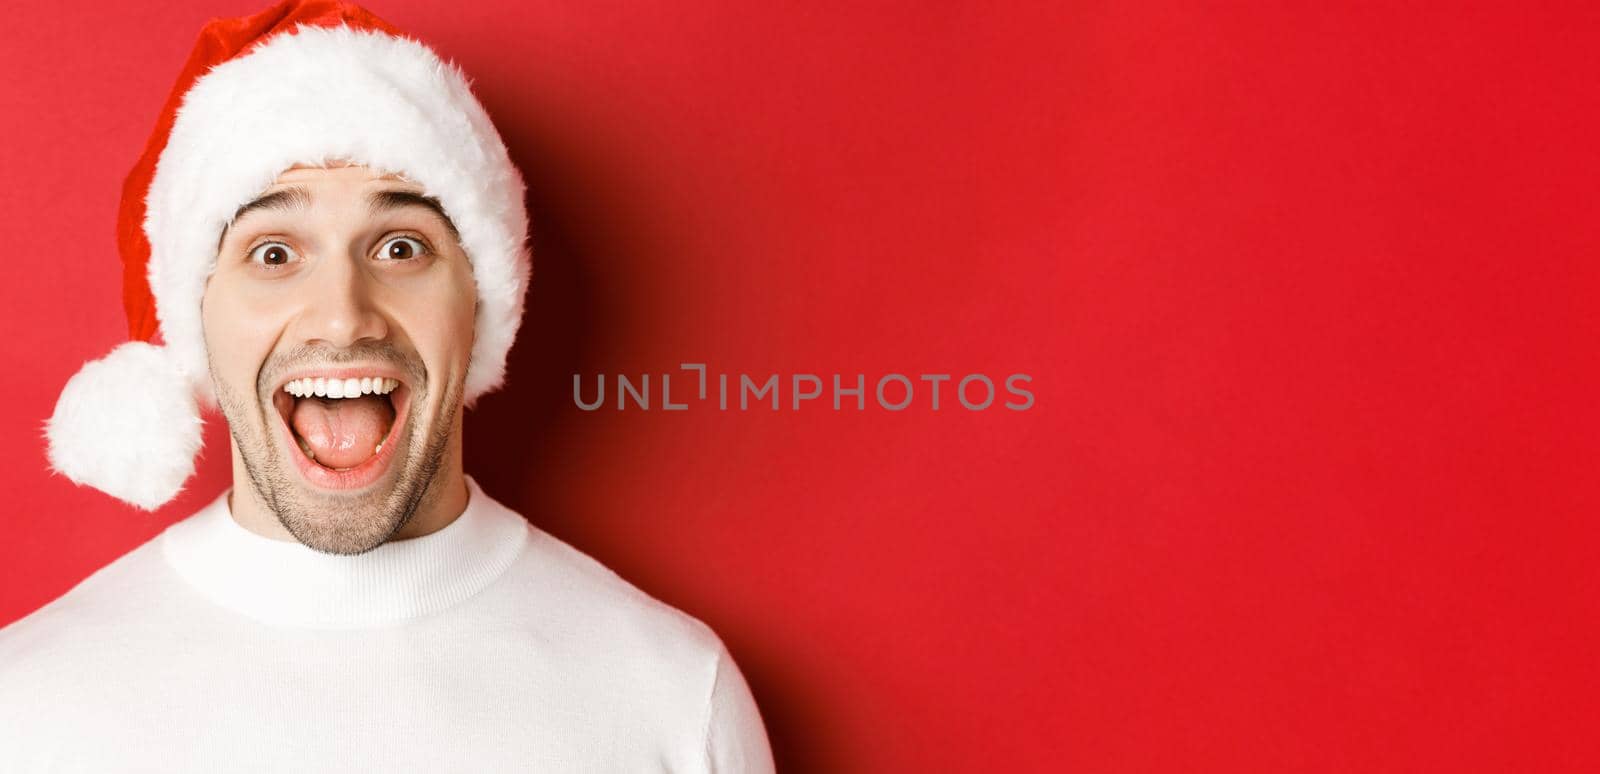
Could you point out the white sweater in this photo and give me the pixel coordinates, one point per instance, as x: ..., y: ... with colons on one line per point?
x: 487, y: 646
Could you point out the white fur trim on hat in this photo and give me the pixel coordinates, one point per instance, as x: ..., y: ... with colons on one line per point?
x: 127, y: 424
x: 322, y: 94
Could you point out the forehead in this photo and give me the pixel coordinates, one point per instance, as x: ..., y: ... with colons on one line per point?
x: 296, y: 190
x: 302, y: 174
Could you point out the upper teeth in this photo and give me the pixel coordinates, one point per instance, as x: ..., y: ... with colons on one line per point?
x: 340, y: 388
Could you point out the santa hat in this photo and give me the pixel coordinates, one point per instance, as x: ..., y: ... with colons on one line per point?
x: 304, y: 82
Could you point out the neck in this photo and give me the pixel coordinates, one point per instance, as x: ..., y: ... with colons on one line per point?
x: 286, y: 583
x: 442, y: 502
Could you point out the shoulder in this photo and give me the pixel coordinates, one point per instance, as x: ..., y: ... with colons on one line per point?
x: 653, y: 670
x: 67, y: 648
x: 596, y: 606
x: 588, y: 617
x: 99, y: 600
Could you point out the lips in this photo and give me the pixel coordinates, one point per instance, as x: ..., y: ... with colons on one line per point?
x: 370, y: 468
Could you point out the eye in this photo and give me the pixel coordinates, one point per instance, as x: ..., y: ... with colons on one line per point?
x: 401, y: 248
x: 272, y: 254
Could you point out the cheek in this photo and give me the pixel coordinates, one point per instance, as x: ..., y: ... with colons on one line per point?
x: 466, y: 306
x: 443, y: 322
x: 237, y: 334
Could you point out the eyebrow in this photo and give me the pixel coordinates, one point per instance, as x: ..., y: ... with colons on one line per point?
x: 380, y: 202
x: 297, y: 198
x: 286, y: 200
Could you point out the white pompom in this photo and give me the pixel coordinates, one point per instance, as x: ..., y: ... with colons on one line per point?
x: 127, y: 425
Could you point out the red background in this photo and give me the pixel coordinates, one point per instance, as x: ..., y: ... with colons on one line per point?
x: 1306, y: 295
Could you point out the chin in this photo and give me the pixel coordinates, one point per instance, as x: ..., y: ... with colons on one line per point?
x: 343, y: 528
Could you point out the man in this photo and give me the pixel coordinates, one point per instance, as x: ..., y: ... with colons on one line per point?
x: 329, y: 236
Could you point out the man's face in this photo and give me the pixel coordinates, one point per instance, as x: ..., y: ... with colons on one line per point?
x: 338, y: 274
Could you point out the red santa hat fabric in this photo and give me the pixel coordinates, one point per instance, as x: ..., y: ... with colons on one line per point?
x: 304, y: 82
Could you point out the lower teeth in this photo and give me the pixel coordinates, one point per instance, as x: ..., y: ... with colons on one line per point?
x: 311, y: 455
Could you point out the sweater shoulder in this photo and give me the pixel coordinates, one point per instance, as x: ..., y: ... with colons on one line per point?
x: 577, y: 596
x: 107, y: 599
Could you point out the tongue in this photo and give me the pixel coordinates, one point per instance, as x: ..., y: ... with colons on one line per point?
x: 342, y: 432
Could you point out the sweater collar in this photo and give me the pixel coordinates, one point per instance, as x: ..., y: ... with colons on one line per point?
x: 285, y: 583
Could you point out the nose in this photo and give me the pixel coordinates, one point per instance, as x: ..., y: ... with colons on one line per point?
x: 339, y: 308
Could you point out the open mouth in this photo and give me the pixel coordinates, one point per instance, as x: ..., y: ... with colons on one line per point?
x: 341, y: 427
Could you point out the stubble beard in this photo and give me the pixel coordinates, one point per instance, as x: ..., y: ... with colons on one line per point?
x: 337, y: 523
